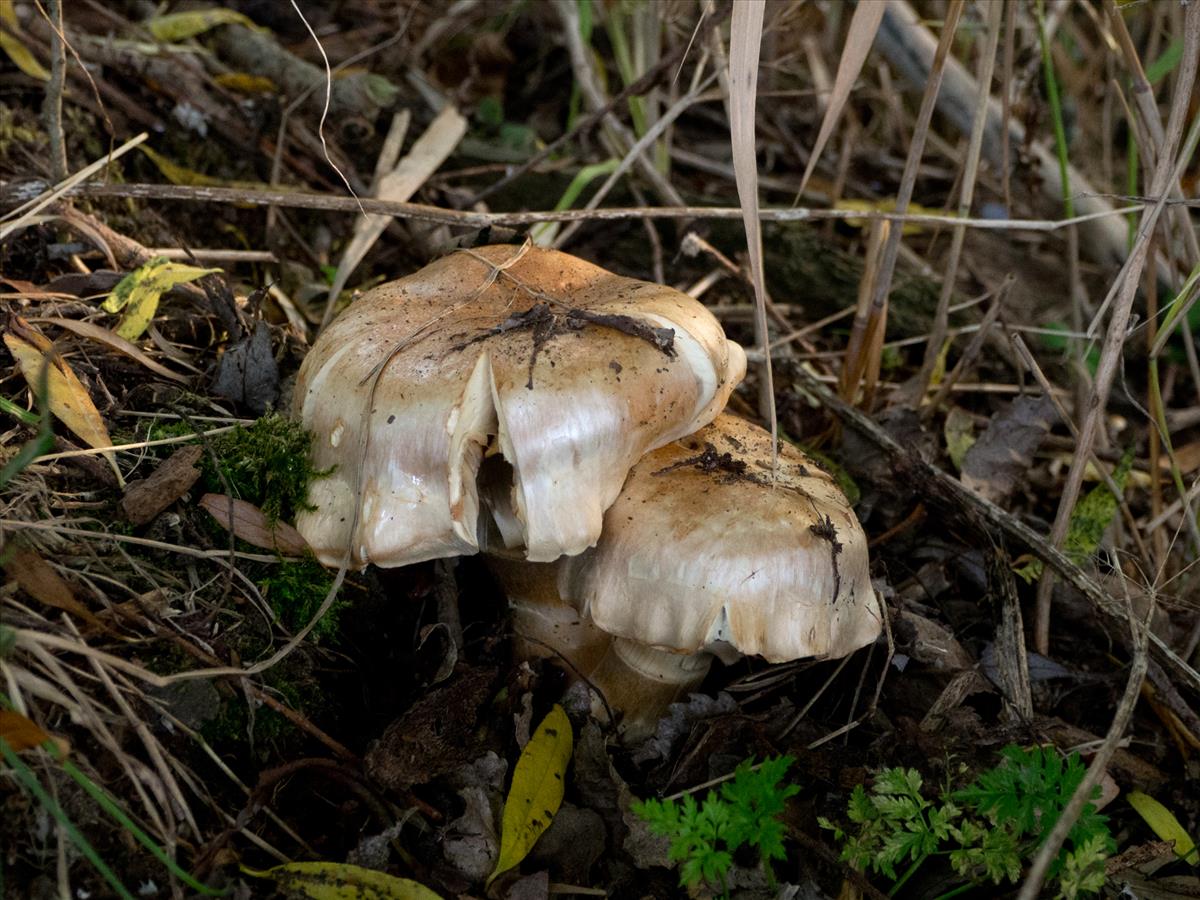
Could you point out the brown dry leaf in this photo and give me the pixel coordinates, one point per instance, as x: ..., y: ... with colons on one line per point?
x: 39, y: 580
x: 251, y: 525
x: 997, y: 463
x: 145, y: 499
x: 114, y: 341
x: 859, y: 39
x: 20, y: 733
x: 68, y: 399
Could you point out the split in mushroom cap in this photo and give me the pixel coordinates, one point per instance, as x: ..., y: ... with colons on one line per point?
x: 577, y: 372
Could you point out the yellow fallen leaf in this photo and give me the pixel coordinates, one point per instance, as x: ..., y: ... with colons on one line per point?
x: 139, y: 291
x: 1163, y: 823
x: 341, y: 881
x: 11, y: 45
x: 177, y: 174
x: 67, y: 398
x: 180, y: 26
x: 888, y: 206
x: 537, y: 789
x: 245, y: 83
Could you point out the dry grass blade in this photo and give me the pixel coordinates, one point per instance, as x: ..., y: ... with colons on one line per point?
x: 1123, y: 293
x: 987, y: 63
x: 865, y: 347
x: 114, y: 341
x: 426, y: 156
x: 861, y: 35
x: 744, y: 41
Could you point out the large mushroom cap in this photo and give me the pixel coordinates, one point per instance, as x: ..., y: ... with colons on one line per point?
x: 575, y: 371
x: 702, y: 550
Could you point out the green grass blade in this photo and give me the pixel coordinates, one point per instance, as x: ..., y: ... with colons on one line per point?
x: 1060, y: 131
x: 29, y: 781
x: 107, y: 804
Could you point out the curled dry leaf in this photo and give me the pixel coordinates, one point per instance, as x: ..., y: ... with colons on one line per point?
x: 250, y: 523
x: 67, y: 398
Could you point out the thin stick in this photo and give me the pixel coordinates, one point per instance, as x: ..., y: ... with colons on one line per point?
x: 471, y: 219
x: 178, y: 439
x: 52, y: 106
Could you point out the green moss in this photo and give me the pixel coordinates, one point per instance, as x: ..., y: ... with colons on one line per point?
x: 296, y: 590
x: 266, y: 464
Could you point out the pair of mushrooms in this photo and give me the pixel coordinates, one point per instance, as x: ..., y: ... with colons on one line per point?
x: 567, y: 422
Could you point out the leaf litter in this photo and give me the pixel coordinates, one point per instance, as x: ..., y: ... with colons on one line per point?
x: 369, y: 731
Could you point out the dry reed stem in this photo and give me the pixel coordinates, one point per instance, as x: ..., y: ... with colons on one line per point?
x: 472, y: 219
x: 949, y: 275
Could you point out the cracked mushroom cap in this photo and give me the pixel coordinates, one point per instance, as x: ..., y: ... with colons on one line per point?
x: 568, y: 372
x: 701, y: 552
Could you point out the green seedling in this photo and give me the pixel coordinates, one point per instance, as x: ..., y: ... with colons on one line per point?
x: 989, y: 829
x: 744, y: 813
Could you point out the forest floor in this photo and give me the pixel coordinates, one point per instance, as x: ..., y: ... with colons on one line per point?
x: 990, y: 343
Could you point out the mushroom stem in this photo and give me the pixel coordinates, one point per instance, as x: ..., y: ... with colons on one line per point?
x: 643, y: 681
x: 544, y: 625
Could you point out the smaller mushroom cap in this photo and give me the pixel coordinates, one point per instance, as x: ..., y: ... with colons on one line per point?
x: 704, y: 550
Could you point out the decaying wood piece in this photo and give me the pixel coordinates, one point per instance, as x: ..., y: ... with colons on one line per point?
x: 147, y: 498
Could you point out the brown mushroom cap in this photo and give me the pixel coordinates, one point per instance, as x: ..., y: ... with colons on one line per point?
x: 577, y: 372
x: 702, y: 550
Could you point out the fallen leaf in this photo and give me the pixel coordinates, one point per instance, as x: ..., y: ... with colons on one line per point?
x: 959, y: 431
x: 247, y: 372
x: 138, y: 293
x: 244, y: 83
x: 251, y: 525
x: 39, y: 580
x: 999, y: 460
x: 11, y: 44
x: 180, y: 26
x: 173, y: 478
x: 177, y: 174
x: 67, y: 398
x: 341, y: 881
x: 20, y: 733
x: 1163, y: 823
x: 115, y: 342
x: 537, y: 789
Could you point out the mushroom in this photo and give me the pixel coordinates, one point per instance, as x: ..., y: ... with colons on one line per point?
x: 707, y: 552
x: 564, y: 373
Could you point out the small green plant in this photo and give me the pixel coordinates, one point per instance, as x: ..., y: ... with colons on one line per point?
x: 745, y: 813
x: 988, y: 829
